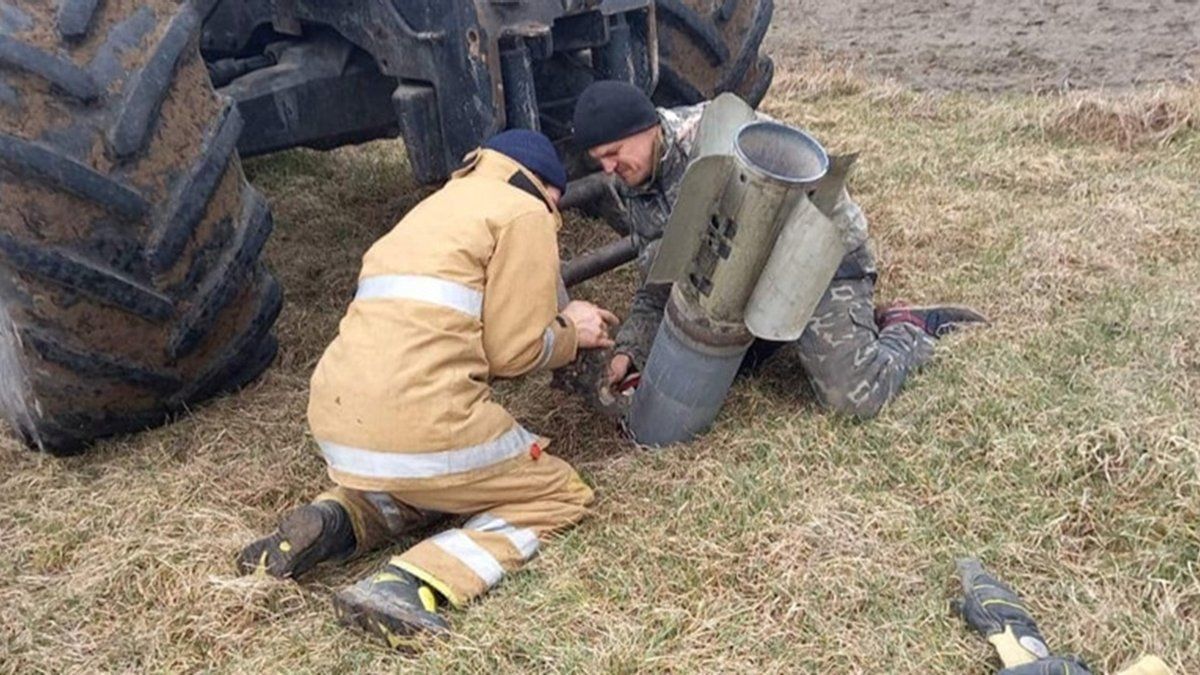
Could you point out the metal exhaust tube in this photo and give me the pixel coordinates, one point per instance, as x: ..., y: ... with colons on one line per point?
x: 781, y: 153
x: 703, y: 337
x: 687, y: 376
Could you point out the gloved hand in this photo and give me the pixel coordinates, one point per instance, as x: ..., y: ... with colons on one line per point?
x: 1055, y: 665
x: 995, y: 612
x: 587, y: 377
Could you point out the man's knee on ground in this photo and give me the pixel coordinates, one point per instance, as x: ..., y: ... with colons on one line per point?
x: 578, y: 494
x: 845, y: 403
x: 571, y: 503
x: 858, y: 383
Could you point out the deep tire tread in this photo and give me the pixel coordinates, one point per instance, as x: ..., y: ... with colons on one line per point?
x: 676, y: 85
x: 738, y: 26
x: 175, y: 227
x: 59, y: 72
x: 101, y: 283
x: 747, y: 54
x: 58, y: 170
x: 700, y: 29
x: 75, y: 17
x: 245, y: 356
x: 726, y: 10
x: 145, y: 93
x: 766, y: 73
x: 256, y: 225
x: 93, y: 364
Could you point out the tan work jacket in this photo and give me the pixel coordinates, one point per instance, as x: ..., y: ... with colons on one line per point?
x: 462, y: 290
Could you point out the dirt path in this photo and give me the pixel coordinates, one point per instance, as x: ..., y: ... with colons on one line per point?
x: 1005, y: 44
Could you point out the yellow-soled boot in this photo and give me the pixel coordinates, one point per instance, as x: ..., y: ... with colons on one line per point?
x: 393, y: 605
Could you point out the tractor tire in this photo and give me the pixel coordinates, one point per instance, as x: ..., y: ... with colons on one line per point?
x: 130, y: 279
x: 708, y: 47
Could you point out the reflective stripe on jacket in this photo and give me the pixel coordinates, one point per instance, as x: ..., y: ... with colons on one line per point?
x: 462, y: 290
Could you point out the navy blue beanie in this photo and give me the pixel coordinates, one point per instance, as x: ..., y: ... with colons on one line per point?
x: 610, y: 110
x: 533, y: 151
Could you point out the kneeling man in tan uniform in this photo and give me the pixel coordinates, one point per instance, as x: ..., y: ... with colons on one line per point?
x: 462, y: 290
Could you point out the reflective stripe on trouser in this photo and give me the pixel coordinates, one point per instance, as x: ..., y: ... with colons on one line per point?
x: 512, y: 511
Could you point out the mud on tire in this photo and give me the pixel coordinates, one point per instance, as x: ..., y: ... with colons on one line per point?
x: 707, y: 47
x: 130, y: 280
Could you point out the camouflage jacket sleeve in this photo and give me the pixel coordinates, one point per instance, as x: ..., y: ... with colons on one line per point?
x: 638, y: 330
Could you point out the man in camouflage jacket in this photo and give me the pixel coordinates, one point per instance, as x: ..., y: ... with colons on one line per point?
x: 855, y: 356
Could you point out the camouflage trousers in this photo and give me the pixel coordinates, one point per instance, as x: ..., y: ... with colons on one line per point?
x: 854, y: 366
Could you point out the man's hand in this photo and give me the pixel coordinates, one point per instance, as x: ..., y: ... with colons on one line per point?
x: 618, y: 368
x: 591, y: 324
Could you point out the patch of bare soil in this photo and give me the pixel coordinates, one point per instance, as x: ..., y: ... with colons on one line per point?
x: 999, y: 45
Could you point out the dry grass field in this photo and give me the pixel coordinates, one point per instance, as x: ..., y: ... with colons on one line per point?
x: 1062, y: 444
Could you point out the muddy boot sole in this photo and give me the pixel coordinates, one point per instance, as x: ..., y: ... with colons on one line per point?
x: 288, y: 552
x: 397, y: 625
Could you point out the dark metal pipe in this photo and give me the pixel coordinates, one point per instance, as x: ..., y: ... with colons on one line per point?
x: 584, y: 191
x: 597, y: 262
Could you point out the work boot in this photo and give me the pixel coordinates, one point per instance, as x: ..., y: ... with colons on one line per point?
x: 393, y: 605
x: 307, y: 536
x: 992, y: 609
x: 936, y: 320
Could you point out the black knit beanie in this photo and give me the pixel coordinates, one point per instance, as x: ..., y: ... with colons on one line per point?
x: 610, y: 110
